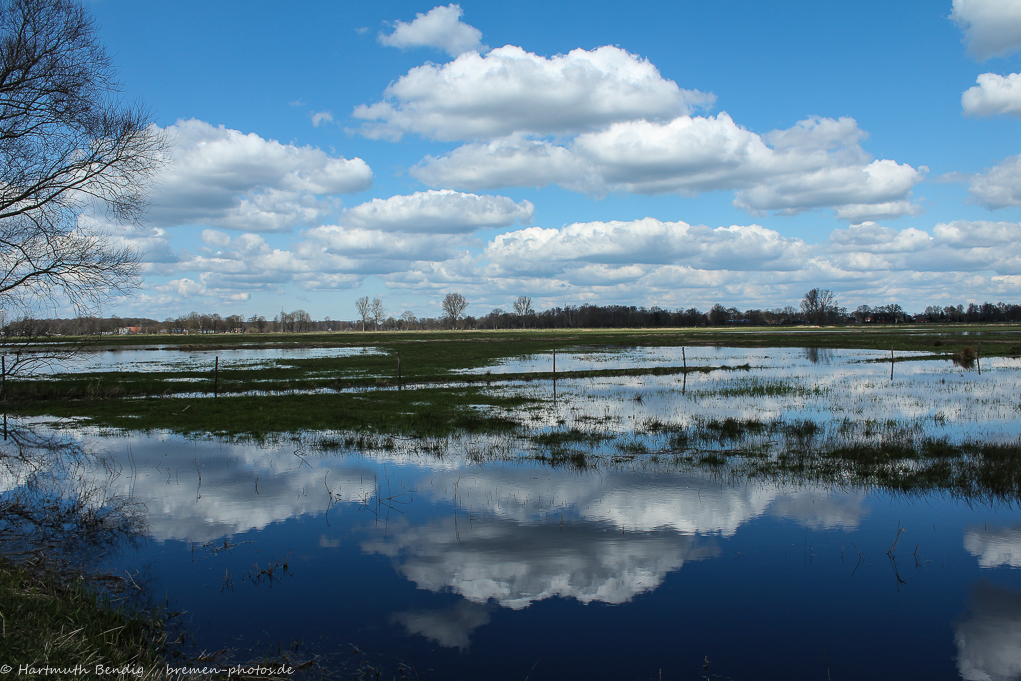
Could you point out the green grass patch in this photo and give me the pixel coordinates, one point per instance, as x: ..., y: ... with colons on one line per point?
x: 427, y: 413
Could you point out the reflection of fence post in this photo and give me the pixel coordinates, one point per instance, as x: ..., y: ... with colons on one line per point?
x: 216, y: 375
x: 978, y: 358
x: 3, y: 384
x: 554, y: 362
x: 684, y: 359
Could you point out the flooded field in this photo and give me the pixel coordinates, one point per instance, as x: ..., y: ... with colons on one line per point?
x: 159, y: 358
x: 791, y: 514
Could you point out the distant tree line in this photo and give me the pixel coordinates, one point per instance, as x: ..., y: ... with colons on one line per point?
x: 818, y: 307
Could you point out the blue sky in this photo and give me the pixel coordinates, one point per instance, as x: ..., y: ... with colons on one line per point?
x: 674, y: 154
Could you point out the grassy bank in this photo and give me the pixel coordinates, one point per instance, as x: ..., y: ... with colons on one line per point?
x: 57, y: 627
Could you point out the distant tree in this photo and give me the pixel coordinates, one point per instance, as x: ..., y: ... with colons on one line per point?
x: 364, y: 309
x: 259, y: 321
x: 408, y: 317
x: 378, y: 313
x: 495, y: 316
x: 523, y: 306
x: 454, y: 305
x: 302, y: 321
x: 719, y: 315
x: 819, y: 305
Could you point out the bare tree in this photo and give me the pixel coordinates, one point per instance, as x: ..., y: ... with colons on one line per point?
x: 68, y: 149
x: 408, y: 317
x: 302, y: 321
x: 378, y: 312
x: 523, y: 306
x: 364, y: 309
x: 454, y: 305
x: 819, y: 305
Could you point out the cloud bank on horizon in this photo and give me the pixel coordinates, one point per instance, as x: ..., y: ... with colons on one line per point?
x: 240, y: 218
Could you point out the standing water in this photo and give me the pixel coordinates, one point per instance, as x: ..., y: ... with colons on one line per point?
x: 471, y: 559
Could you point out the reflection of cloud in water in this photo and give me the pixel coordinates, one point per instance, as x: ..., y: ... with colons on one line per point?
x: 515, y: 564
x: 998, y: 546
x: 644, y: 502
x: 243, y: 486
x: 249, y: 486
x: 817, y: 510
x: 988, y: 635
x: 450, y: 628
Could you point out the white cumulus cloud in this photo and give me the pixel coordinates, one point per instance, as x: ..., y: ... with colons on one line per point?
x: 959, y: 246
x: 512, y: 161
x: 647, y: 261
x: 320, y: 117
x: 992, y: 28
x: 510, y: 90
x: 581, y: 246
x: 818, y: 163
x: 225, y: 178
x: 443, y: 212
x: 994, y: 95
x: 440, y: 27
x: 999, y: 186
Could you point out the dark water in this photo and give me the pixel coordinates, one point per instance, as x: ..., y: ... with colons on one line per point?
x: 482, y: 572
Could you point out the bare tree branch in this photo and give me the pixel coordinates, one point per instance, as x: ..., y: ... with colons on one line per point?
x: 67, y: 147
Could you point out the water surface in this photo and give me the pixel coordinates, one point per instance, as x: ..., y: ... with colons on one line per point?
x: 495, y: 566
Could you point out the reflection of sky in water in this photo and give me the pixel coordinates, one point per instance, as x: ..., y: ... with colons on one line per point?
x: 171, y: 359
x: 994, y: 546
x: 988, y: 636
x: 648, y: 357
x: 428, y: 556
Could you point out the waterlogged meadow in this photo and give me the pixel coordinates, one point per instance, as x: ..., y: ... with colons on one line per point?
x: 645, y: 512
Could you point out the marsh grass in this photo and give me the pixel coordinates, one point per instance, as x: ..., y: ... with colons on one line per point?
x: 755, y: 387
x: 872, y: 454
x: 418, y: 413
